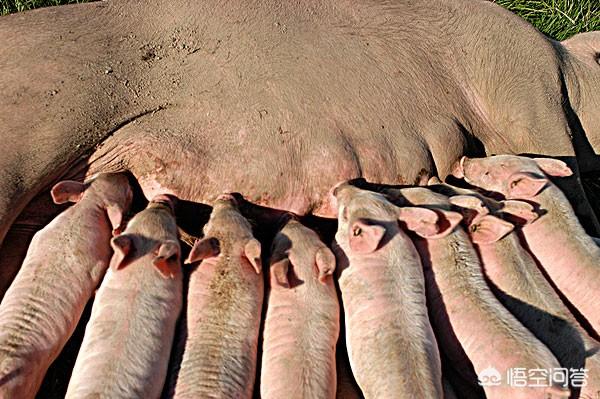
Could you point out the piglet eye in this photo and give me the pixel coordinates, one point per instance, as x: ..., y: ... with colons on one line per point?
x: 356, y: 232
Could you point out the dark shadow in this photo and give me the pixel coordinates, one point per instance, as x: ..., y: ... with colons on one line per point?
x: 580, y: 318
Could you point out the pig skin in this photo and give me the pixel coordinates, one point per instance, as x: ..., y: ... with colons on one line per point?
x: 471, y: 324
x: 224, y: 304
x: 391, y: 346
x: 127, y: 343
x: 64, y: 264
x: 390, y: 91
x: 525, y: 292
x: 302, y: 320
x: 522, y: 288
x: 569, y: 256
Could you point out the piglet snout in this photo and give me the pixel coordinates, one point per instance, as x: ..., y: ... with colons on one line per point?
x: 227, y: 197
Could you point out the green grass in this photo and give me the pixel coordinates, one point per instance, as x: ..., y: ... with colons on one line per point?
x: 558, y: 19
x: 10, y: 6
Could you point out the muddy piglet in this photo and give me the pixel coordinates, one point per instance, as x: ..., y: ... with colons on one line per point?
x: 64, y: 264
x: 127, y: 343
x: 302, y: 320
x: 392, y: 349
x: 557, y: 240
x: 224, y: 304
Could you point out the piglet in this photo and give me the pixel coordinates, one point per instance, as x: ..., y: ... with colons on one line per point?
x: 568, y: 255
x: 523, y: 289
x: 392, y: 349
x: 224, y: 306
x: 127, y: 343
x: 302, y: 321
x: 474, y: 329
x: 63, y: 266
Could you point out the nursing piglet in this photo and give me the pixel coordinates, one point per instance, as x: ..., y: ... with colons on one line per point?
x: 302, y: 320
x: 224, y: 304
x: 392, y: 349
x: 473, y: 327
x: 523, y: 289
x: 63, y: 266
x: 127, y: 343
x: 569, y: 256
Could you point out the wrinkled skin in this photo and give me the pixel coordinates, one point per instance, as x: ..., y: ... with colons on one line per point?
x: 383, y: 293
x: 302, y: 320
x: 557, y: 240
x: 63, y: 266
x: 474, y: 330
x: 522, y: 288
x: 390, y: 92
x: 224, y: 301
x: 127, y: 343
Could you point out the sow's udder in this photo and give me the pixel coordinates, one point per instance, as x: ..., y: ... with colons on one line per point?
x: 274, y: 163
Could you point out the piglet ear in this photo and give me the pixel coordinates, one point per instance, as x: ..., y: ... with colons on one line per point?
x: 279, y: 272
x: 420, y: 220
x: 470, y: 206
x: 67, y: 191
x: 523, y: 185
x: 488, y: 229
x: 167, y: 258
x: 252, y: 250
x: 122, y: 246
x: 115, y: 216
x: 553, y: 167
x: 469, y: 202
x: 325, y: 261
x: 204, y: 248
x: 519, y: 212
x: 446, y: 223
x: 364, y: 238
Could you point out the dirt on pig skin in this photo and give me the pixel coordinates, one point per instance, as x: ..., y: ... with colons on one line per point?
x: 302, y: 319
x: 391, y: 346
x: 127, y: 343
x: 569, y: 257
x: 473, y: 327
x: 64, y: 264
x: 224, y: 302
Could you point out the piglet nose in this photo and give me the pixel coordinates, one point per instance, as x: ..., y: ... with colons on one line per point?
x: 458, y: 170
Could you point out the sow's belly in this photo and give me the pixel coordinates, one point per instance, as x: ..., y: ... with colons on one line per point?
x: 284, y: 163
